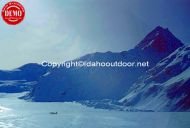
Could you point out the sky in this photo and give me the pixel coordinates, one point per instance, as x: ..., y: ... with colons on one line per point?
x: 60, y: 30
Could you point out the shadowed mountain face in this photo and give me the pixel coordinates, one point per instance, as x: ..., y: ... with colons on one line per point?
x: 166, y: 87
x: 98, y: 83
x: 159, y: 43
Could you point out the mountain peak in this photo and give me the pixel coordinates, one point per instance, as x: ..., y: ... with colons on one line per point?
x: 159, y: 40
x: 159, y: 28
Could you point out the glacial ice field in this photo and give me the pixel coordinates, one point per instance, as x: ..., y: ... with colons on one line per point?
x: 16, y: 113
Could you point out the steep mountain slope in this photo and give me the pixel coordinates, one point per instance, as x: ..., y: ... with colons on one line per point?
x: 159, y: 43
x: 166, y: 87
x: 95, y: 83
x: 21, y: 79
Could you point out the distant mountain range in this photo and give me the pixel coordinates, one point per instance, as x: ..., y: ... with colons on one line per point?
x: 163, y: 86
x: 21, y: 79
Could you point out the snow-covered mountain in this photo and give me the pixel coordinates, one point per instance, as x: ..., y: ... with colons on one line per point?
x: 98, y: 83
x: 166, y: 87
x: 20, y: 79
x: 163, y: 86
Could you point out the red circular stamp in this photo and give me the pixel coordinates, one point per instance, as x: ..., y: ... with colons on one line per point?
x: 13, y: 13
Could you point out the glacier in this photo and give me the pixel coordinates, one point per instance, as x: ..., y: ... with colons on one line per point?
x: 22, y: 114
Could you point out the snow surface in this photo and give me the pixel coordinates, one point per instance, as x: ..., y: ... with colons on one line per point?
x: 21, y: 114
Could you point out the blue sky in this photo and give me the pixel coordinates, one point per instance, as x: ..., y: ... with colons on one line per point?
x: 59, y: 30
